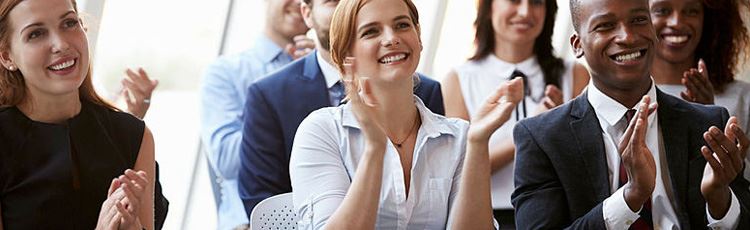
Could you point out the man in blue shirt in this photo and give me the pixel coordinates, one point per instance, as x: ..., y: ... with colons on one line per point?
x: 277, y: 104
x: 223, y: 96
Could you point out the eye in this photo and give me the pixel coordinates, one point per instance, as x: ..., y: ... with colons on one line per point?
x: 403, y: 25
x: 537, y: 2
x: 660, y: 11
x: 70, y: 23
x: 604, y: 26
x: 35, y: 34
x: 693, y: 12
x: 368, y: 33
x: 641, y: 20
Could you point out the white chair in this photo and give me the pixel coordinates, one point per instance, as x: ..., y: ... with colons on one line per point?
x: 276, y: 212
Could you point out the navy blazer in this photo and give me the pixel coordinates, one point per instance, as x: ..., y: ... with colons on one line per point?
x: 561, y: 174
x: 275, y: 107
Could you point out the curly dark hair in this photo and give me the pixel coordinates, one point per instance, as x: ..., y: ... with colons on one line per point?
x: 724, y: 40
x: 552, y: 66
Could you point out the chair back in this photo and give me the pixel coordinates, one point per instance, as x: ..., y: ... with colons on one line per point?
x: 276, y: 212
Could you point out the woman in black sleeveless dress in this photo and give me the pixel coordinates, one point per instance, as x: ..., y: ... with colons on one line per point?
x: 68, y: 160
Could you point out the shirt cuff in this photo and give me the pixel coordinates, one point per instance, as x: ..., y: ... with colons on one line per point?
x: 617, y: 214
x: 730, y: 220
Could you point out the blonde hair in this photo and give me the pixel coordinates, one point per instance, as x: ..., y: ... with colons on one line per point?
x: 12, y: 85
x: 344, y: 23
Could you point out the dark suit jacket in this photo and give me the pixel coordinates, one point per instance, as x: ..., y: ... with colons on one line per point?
x: 561, y: 177
x: 275, y: 107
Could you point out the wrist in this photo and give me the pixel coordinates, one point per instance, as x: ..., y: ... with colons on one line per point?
x: 634, y: 197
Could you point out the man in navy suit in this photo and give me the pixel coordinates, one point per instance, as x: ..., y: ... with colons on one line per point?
x: 612, y: 159
x: 277, y: 104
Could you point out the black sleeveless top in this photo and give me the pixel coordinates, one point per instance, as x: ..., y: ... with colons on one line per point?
x: 56, y: 176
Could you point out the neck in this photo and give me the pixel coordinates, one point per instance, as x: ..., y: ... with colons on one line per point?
x: 397, y: 102
x: 276, y: 37
x: 51, y: 109
x: 513, y: 53
x: 325, y: 54
x: 665, y: 72
x: 628, y: 96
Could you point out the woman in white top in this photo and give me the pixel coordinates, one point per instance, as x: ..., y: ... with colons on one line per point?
x: 512, y: 38
x: 383, y: 160
x: 698, y: 63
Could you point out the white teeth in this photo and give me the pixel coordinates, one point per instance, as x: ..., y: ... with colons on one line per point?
x: 628, y: 57
x: 63, y: 65
x: 675, y: 39
x: 394, y: 58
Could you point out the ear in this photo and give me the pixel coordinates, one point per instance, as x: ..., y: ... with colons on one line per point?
x: 575, y: 44
x: 6, y: 61
x: 306, y: 11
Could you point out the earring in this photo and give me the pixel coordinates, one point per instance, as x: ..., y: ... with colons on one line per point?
x: 12, y: 68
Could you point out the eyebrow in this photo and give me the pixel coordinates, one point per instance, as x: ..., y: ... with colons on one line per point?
x: 606, y: 15
x: 400, y: 17
x: 39, y: 23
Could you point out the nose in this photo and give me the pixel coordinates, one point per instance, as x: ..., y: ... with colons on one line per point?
x: 390, y: 39
x: 625, y: 35
x: 523, y: 8
x: 59, y: 43
x: 674, y: 19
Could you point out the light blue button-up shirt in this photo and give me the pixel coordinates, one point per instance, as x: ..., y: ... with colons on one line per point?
x: 223, y: 95
x: 327, y: 150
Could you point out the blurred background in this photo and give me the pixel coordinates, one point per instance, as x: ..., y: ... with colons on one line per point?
x: 175, y: 40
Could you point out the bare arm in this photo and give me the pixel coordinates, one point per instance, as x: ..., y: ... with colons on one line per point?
x: 146, y: 163
x: 473, y: 208
x: 453, y: 98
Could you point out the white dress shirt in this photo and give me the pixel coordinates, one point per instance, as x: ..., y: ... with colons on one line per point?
x: 616, y: 213
x: 326, y: 152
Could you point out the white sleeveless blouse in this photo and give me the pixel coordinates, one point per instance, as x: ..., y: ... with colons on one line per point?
x: 478, y: 79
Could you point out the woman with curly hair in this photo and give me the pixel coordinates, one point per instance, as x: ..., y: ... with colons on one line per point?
x: 701, y: 43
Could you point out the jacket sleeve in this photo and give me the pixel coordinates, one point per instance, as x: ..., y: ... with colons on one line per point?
x: 539, y: 198
x: 264, y: 170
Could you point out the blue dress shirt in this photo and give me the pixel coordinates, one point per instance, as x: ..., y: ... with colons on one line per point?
x: 223, y: 92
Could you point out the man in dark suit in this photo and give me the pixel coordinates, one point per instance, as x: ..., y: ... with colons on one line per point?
x: 277, y: 105
x: 595, y: 163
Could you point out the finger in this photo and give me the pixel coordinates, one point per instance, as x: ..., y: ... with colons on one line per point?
x: 113, y: 186
x: 114, y: 221
x: 728, y: 129
x: 691, y: 88
x: 555, y: 94
x: 686, y: 96
x: 501, y: 114
x: 641, y: 125
x: 728, y: 145
x: 126, y: 180
x: 709, y: 156
x: 497, y: 95
x: 137, y: 93
x: 548, y: 103
x: 704, y: 94
x: 132, y: 198
x: 721, y: 154
x: 365, y: 92
x: 124, y: 212
x: 140, y: 181
x: 514, y: 91
x: 742, y: 140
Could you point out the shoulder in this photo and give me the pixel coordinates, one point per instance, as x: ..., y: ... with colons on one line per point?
x: 286, y: 73
x: 737, y: 88
x: 703, y: 115
x: 427, y: 82
x: 553, y: 120
x: 117, y: 122
x: 322, y: 119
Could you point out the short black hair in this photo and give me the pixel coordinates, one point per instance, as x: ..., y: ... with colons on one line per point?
x: 575, y: 12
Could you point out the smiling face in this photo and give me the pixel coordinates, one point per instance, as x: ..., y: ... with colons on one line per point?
x: 518, y: 21
x: 617, y: 39
x: 317, y: 16
x: 386, y: 42
x: 48, y: 45
x: 679, y: 25
x: 285, y: 18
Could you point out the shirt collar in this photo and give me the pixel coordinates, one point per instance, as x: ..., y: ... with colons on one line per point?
x: 269, y: 50
x: 530, y: 67
x: 433, y: 125
x: 611, y: 110
x: 329, y: 72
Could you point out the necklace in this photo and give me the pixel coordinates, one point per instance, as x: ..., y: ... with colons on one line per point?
x: 413, y: 127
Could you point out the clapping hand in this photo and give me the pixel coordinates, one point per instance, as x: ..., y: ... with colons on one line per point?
x: 699, y: 87
x: 553, y: 97
x: 496, y: 110
x: 725, y: 155
x: 301, y: 46
x: 120, y: 209
x: 637, y: 158
x: 364, y: 105
x: 137, y: 90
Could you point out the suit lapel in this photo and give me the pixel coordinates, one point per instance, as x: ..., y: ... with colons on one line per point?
x: 588, y: 135
x: 311, y: 86
x: 674, y: 132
